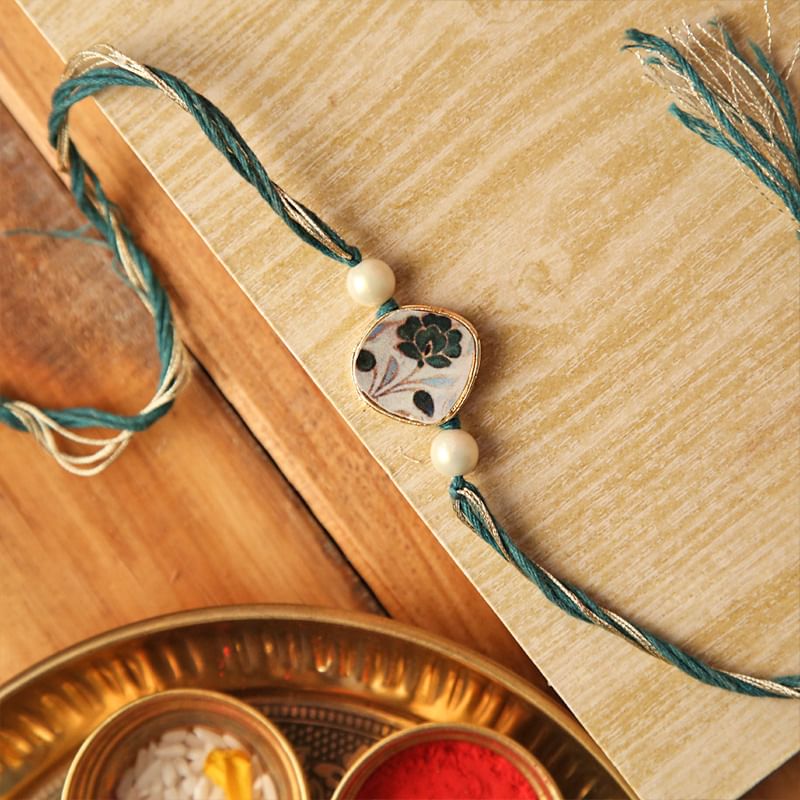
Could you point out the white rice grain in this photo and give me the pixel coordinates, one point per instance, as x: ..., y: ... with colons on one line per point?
x: 149, y: 775
x: 169, y: 775
x: 209, y: 737
x: 202, y: 789
x: 171, y: 750
x: 172, y: 768
x: 267, y: 786
x: 232, y: 742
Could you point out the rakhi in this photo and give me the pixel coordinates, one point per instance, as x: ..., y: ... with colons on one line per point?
x: 415, y: 363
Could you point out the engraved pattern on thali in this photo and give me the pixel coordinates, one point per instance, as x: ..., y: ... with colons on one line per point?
x: 333, y: 682
x: 326, y: 739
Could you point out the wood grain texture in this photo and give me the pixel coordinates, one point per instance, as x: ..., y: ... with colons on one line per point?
x: 409, y: 573
x: 79, y: 556
x: 636, y: 296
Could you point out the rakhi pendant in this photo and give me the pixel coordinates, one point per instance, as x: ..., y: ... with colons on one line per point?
x: 417, y: 364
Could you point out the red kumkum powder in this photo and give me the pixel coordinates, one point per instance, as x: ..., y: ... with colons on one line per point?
x: 447, y: 770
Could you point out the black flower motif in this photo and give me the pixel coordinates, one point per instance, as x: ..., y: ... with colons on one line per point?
x: 429, y: 340
x: 365, y: 361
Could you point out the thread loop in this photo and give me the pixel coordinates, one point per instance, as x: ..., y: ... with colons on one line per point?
x: 87, y: 73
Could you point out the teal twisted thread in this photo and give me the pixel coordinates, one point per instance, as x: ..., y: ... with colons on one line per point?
x: 726, y: 135
x: 220, y: 131
x: 472, y: 509
x: 224, y: 136
x: 389, y: 305
x: 84, y: 417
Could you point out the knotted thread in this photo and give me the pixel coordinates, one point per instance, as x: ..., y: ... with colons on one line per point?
x: 473, y: 510
x: 52, y: 426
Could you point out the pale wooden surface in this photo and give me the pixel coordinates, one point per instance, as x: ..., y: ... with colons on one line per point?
x: 638, y: 297
x: 410, y: 576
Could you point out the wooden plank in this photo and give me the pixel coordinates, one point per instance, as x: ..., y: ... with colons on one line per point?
x: 381, y: 536
x: 780, y: 785
x: 637, y: 410
x: 79, y: 556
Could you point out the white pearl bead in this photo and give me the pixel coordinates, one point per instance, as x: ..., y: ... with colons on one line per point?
x: 370, y: 283
x: 454, y: 452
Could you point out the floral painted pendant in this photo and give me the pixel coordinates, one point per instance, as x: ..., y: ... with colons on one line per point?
x: 418, y: 364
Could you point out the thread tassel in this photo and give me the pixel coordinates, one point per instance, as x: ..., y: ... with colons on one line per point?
x: 739, y: 103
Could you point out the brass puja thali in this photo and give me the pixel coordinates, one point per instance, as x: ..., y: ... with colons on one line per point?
x: 333, y: 682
